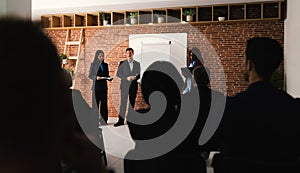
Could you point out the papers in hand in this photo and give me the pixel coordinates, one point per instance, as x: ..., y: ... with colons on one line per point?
x: 107, y: 78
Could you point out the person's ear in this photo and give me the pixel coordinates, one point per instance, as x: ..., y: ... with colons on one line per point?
x: 249, y: 65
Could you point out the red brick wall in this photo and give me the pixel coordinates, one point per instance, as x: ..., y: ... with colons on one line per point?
x: 227, y: 39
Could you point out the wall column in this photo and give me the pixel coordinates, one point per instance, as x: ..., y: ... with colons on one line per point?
x: 292, y: 48
x: 20, y: 8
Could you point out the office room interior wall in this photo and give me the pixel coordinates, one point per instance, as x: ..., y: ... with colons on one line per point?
x: 291, y: 48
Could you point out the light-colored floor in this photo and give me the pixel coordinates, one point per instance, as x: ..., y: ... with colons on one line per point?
x: 116, y: 164
x: 117, y: 142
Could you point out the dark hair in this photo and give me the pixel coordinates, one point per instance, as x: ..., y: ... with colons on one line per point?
x: 38, y: 98
x: 201, y: 75
x: 266, y: 54
x: 96, y: 60
x: 197, y: 54
x: 163, y: 77
x: 129, y: 49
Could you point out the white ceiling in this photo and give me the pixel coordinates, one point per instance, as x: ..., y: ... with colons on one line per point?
x: 42, y: 7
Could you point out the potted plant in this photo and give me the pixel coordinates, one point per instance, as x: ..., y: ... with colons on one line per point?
x: 104, y: 17
x: 64, y: 58
x: 133, y: 17
x: 160, y: 17
x: 220, y: 13
x: 71, y: 72
x: 189, y: 14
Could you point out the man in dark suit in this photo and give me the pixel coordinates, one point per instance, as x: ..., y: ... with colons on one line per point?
x: 260, y: 125
x: 129, y: 72
x: 99, y: 73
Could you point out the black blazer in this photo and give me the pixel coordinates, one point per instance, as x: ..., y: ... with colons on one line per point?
x: 96, y: 71
x: 261, y: 123
x: 124, y: 71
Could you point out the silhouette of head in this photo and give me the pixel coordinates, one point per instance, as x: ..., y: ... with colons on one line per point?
x: 163, y: 77
x: 266, y: 54
x: 33, y: 87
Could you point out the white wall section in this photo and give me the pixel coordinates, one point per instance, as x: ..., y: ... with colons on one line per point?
x: 16, y: 8
x: 291, y: 48
x: 40, y: 7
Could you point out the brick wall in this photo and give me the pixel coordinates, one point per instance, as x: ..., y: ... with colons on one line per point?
x: 226, y: 40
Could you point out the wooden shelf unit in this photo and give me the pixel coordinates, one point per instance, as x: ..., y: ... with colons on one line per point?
x: 221, y: 9
x: 268, y: 10
x: 56, y: 21
x: 68, y: 20
x: 237, y: 12
x: 195, y: 17
x: 118, y: 18
x: 46, y: 21
x: 79, y: 20
x: 253, y: 11
x: 127, y: 17
x: 92, y: 19
x: 145, y: 16
x: 174, y: 15
x: 159, y: 13
x: 204, y: 14
x: 101, y: 19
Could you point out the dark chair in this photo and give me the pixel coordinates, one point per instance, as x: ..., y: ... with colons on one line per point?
x: 88, y: 120
x: 223, y: 164
x: 101, y: 142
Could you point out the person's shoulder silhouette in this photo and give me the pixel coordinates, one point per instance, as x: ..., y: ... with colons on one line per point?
x: 260, y: 122
x: 36, y: 122
x: 161, y: 84
x: 34, y: 89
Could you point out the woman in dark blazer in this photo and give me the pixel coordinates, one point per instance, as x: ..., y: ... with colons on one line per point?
x: 195, y: 58
x: 99, y: 73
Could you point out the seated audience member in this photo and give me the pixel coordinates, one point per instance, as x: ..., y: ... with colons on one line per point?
x: 38, y: 121
x: 67, y: 75
x: 261, y: 124
x: 161, y: 77
x: 202, y: 80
